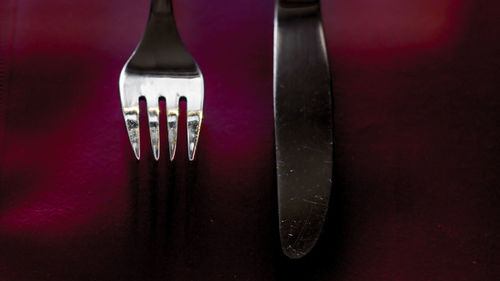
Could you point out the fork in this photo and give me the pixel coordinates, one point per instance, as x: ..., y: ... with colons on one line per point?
x: 161, y: 67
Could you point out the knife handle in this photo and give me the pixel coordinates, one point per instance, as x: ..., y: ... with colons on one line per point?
x: 297, y: 2
x: 161, y: 6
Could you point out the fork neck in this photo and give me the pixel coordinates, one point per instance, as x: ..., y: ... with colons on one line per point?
x: 161, y: 6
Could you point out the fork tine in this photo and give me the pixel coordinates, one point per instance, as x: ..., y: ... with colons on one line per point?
x: 131, y: 115
x: 194, y: 118
x: 172, y: 124
x: 154, y: 126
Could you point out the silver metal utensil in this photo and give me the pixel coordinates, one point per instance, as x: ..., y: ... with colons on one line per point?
x: 161, y: 66
x: 303, y: 124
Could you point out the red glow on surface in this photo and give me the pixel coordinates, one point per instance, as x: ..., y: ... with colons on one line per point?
x: 393, y: 27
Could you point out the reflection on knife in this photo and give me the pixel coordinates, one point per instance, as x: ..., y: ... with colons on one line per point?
x: 303, y: 124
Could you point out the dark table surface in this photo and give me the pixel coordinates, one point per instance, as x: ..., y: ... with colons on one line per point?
x: 416, y: 191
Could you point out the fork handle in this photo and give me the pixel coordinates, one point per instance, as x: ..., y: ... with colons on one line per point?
x: 161, y: 6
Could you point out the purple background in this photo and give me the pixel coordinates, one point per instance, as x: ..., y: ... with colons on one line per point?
x: 416, y: 191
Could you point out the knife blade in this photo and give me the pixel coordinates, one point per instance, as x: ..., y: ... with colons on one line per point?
x: 303, y: 124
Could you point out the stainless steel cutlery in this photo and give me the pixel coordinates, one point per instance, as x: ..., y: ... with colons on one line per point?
x: 161, y: 66
x: 303, y: 124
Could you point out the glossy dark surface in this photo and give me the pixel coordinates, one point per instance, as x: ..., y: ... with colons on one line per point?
x: 303, y: 125
x: 417, y: 155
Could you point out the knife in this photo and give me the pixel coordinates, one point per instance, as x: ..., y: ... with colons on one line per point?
x: 303, y: 124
